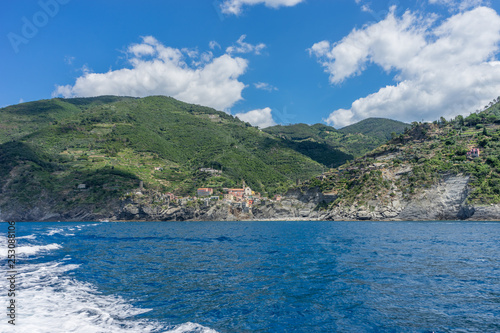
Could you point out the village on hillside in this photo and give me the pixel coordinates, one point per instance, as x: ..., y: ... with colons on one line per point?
x: 244, y: 197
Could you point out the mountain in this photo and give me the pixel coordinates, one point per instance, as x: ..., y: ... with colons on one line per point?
x: 432, y: 171
x: 85, y: 158
x: 109, y: 144
x: 379, y: 128
x: 313, y: 141
x: 344, y: 144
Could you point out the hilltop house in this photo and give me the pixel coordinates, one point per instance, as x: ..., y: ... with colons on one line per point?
x: 205, y: 192
x: 473, y: 153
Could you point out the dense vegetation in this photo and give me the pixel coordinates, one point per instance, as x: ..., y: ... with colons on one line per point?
x: 421, y: 156
x: 332, y: 146
x: 48, y: 148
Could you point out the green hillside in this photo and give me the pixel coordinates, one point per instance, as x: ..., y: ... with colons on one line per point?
x: 379, y: 128
x: 313, y: 141
x: 420, y: 157
x: 110, y: 143
x: 344, y: 144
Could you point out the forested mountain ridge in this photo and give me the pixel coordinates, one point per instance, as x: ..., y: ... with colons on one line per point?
x: 354, y: 140
x: 448, y: 169
x: 113, y: 142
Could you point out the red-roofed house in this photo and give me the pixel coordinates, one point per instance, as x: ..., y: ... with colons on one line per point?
x: 474, y: 152
x: 236, y: 192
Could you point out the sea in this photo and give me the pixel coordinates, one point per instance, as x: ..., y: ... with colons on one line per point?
x: 209, y: 277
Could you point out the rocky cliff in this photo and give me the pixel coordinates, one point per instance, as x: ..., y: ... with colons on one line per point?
x: 446, y: 200
x: 296, y: 204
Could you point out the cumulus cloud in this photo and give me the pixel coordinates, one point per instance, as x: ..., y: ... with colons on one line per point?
x: 261, y: 118
x: 441, y: 69
x: 235, y: 6
x: 244, y: 47
x: 160, y: 70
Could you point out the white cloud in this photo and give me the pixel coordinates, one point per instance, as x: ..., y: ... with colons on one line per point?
x: 160, y: 70
x: 460, y: 5
x: 265, y: 86
x: 366, y: 8
x: 445, y: 69
x: 244, y: 47
x: 234, y: 6
x: 260, y: 117
x: 213, y: 45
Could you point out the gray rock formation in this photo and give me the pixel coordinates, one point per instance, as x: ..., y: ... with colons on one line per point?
x: 444, y: 201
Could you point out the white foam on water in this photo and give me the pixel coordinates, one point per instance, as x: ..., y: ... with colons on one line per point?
x: 27, y: 237
x: 48, y: 300
x: 34, y: 249
x: 191, y: 328
x: 53, y: 231
x: 67, y: 230
x: 24, y: 249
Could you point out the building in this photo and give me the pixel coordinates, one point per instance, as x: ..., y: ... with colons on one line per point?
x: 205, y: 192
x: 237, y: 193
x: 248, y: 191
x: 473, y: 153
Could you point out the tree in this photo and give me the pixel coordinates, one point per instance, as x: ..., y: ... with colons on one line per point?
x: 491, y: 118
x: 442, y: 121
x: 473, y: 119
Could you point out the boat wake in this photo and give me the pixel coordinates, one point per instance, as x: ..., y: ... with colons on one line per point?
x: 50, y: 299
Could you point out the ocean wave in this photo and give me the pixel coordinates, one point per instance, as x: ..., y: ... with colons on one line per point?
x: 34, y: 249
x: 27, y: 237
x: 191, y: 328
x: 68, y: 230
x: 61, y: 231
x: 51, y: 301
x: 24, y: 249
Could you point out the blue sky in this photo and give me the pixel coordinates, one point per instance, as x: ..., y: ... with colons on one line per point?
x: 266, y: 61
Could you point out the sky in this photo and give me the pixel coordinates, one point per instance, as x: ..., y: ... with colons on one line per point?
x: 267, y: 62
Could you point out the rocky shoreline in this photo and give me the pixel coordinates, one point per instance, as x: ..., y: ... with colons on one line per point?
x: 444, y: 201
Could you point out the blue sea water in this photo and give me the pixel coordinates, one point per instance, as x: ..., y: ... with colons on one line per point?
x: 255, y: 277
